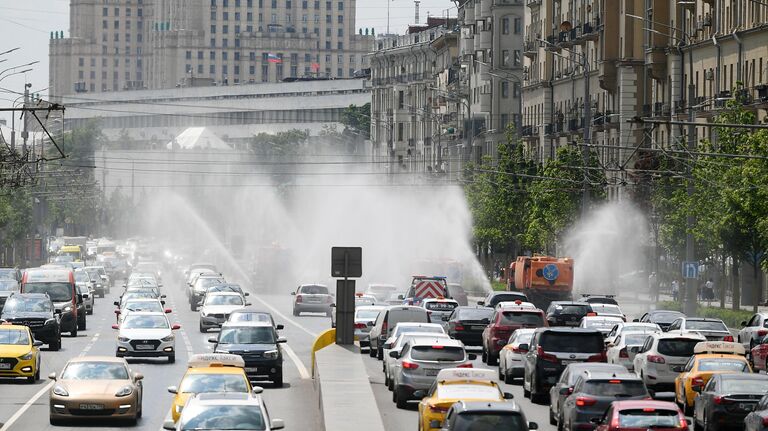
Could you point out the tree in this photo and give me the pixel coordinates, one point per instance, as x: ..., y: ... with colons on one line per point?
x: 288, y: 143
x: 357, y: 120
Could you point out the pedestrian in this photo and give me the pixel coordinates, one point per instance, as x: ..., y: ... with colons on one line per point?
x: 675, y: 290
x: 709, y: 289
x: 652, y: 285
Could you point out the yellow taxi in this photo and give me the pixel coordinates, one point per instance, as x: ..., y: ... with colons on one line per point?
x: 709, y: 358
x: 19, y: 353
x: 453, y: 385
x: 212, y: 372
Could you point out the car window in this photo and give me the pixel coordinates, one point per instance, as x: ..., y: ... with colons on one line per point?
x: 572, y: 309
x: 635, y: 339
x: 29, y: 305
x: 206, y: 383
x: 521, y: 318
x: 723, y: 365
x: 468, y: 391
x: 95, y: 371
x: 615, y: 388
x: 744, y: 386
x: 677, y: 346
x: 711, y: 385
x: 58, y: 292
x: 649, y: 418
x: 314, y: 290
x: 437, y: 353
x: 489, y: 421
x: 224, y: 300
x: 572, y: 342
x: 753, y: 321
x: 366, y: 314
x: 137, y: 321
x: 247, y: 335
x: 16, y: 337
x: 505, y: 297
x: 689, y: 364
x: 705, y: 325
x: 396, y: 316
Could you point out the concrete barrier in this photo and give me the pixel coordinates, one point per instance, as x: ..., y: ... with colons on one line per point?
x: 344, y: 391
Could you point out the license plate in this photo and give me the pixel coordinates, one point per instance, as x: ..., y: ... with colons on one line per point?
x: 746, y: 406
x: 431, y: 372
x: 145, y: 347
x: 5, y: 366
x: 478, y: 328
x: 251, y: 370
x: 92, y: 406
x: 566, y: 361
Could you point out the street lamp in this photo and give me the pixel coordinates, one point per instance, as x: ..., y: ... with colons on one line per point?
x: 15, y: 73
x: 10, y: 50
x: 18, y: 67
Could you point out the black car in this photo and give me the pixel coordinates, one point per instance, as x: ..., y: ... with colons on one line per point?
x: 592, y: 394
x: 727, y: 399
x: 598, y: 299
x: 551, y: 350
x: 493, y: 298
x: 259, y: 346
x: 564, y: 386
x: 482, y: 416
x: 567, y: 313
x: 36, y: 311
x: 466, y: 324
x: 663, y: 318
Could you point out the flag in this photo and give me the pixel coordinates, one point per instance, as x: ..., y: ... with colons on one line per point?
x: 274, y: 58
x: 315, y: 66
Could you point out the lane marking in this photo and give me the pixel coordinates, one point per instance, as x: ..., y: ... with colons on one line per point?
x: 284, y: 317
x: 43, y: 390
x: 303, y: 372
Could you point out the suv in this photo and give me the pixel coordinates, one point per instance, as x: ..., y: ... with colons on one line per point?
x: 567, y: 313
x: 663, y: 357
x: 499, y: 415
x: 493, y: 298
x: 598, y: 299
x: 594, y: 392
x: 753, y: 331
x: 503, y: 323
x: 551, y: 350
x: 564, y: 386
x: 36, y: 311
x: 385, y: 323
x: 259, y: 346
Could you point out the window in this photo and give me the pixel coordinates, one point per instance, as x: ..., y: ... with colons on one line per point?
x: 328, y: 19
x: 237, y: 16
x: 189, y: 55
x: 517, y: 58
x: 212, y: 55
x: 341, y: 5
x: 225, y: 56
x: 265, y: 73
x: 105, y: 11
x: 304, y: 4
x: 327, y: 5
x: 225, y: 29
x: 251, y: 70
x: 340, y: 32
x: 199, y: 55
x: 504, y: 89
x: 237, y: 56
x: 104, y: 24
x: 199, y: 69
x: 249, y: 17
x: 307, y: 58
x: 505, y: 26
x: 237, y: 69
x: 225, y: 16
x: 340, y: 19
x: 213, y: 29
x: 518, y: 26
x: 505, y: 57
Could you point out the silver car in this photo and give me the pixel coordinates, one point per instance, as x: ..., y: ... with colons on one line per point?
x: 228, y: 410
x: 397, y: 346
x: 363, y: 316
x: 312, y: 298
x: 419, y: 362
x: 512, y: 356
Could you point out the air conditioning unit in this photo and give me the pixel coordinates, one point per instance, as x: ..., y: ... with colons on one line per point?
x: 709, y: 75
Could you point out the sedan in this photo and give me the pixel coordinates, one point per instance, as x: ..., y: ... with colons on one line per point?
x: 468, y: 323
x: 642, y: 415
x: 512, y: 356
x: 96, y: 387
x: 312, y: 298
x: 146, y: 334
x: 757, y: 420
x: 623, y: 349
x: 216, y: 308
x: 727, y: 399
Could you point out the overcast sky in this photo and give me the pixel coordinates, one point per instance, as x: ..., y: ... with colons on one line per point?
x: 28, y: 24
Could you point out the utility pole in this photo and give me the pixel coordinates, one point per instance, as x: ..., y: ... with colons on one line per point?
x: 690, y: 304
x: 585, y: 151
x: 25, y: 132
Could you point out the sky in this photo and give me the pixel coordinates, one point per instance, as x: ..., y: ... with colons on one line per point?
x: 28, y: 25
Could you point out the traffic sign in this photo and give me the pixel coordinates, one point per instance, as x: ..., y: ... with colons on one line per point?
x: 690, y: 269
x: 346, y: 262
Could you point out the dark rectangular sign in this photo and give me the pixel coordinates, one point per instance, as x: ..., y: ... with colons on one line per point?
x: 346, y: 262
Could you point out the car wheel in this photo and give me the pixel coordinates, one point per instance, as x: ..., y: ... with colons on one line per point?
x: 492, y: 359
x: 277, y: 379
x: 526, y: 387
x: 560, y: 425
x: 192, y: 307
x: 502, y: 373
x: 56, y: 344
x: 484, y: 356
x: 55, y: 422
x: 73, y: 333
x: 171, y: 358
x: 81, y: 324
x: 402, y: 400
x: 89, y: 312
x: 391, y: 386
x: 203, y: 330
x: 508, y: 379
x: 379, y: 353
x: 386, y: 380
x: 552, y: 420
x: 295, y: 312
x: 371, y: 352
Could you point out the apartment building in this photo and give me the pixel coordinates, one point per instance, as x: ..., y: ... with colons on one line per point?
x: 119, y: 45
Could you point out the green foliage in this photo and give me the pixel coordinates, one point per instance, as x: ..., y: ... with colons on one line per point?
x: 732, y: 318
x: 288, y: 143
x: 357, y: 120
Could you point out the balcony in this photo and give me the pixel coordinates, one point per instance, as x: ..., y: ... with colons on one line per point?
x: 598, y: 121
x: 575, y: 124
x: 762, y: 93
x: 526, y: 131
x: 533, y: 3
x: 549, y: 129
x: 531, y: 48
x: 611, y: 120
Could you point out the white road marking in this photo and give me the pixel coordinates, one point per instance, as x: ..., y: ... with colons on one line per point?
x: 303, y: 372
x: 43, y: 390
x: 284, y: 317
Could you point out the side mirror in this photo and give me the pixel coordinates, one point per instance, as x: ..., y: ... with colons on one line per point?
x: 370, y: 324
x: 523, y: 346
x: 609, y: 344
x: 79, y: 298
x: 52, y: 376
x: 394, y: 355
x: 743, y: 323
x: 115, y: 327
x: 508, y: 396
x: 281, y: 340
x: 248, y: 304
x: 387, y: 346
x: 124, y: 285
x: 446, y: 318
x: 696, y: 388
x: 596, y: 421
x: 565, y: 391
x: 277, y: 424
x: 419, y: 394
x: 400, y: 296
x: 162, y: 296
x: 175, y: 326
x: 173, y: 389
x: 200, y: 304
x: 257, y: 390
x: 138, y: 376
x: 480, y: 302
x: 118, y: 312
x: 213, y: 340
x: 279, y: 326
x: 168, y: 310
x: 688, y: 422
x: 471, y: 356
x: 162, y: 302
x: 435, y: 424
x: 533, y: 426
x: 246, y: 294
x: 85, y: 296
x: 332, y: 305
x: 37, y: 343
x: 635, y: 320
x: 117, y: 303
x: 169, y: 425
x: 293, y: 293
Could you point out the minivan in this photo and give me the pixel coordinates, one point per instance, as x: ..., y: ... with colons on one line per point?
x: 59, y: 284
x: 389, y: 317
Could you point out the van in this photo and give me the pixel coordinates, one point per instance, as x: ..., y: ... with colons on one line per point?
x: 73, y: 251
x: 59, y: 284
x: 386, y: 321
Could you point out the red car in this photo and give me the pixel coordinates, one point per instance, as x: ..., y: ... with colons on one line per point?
x: 642, y: 415
x: 505, y: 320
x: 759, y: 355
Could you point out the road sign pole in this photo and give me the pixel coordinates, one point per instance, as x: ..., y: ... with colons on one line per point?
x: 345, y: 262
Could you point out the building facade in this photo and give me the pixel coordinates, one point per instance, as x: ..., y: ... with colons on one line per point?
x: 119, y: 45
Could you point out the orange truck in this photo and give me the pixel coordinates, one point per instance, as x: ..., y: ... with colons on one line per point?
x: 543, y: 279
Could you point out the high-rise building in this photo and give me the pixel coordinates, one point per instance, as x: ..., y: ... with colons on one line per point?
x: 119, y: 45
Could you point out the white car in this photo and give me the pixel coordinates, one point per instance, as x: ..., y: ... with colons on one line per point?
x: 404, y: 327
x: 146, y: 334
x: 624, y: 347
x: 140, y: 304
x: 711, y: 329
x: 753, y: 331
x: 603, y: 324
x: 397, y: 346
x: 608, y: 310
x: 439, y: 309
x: 631, y: 327
x: 364, y: 300
x: 216, y: 308
x: 363, y: 316
x: 663, y: 356
x: 512, y: 356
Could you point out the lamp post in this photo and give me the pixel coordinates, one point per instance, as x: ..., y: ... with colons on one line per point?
x: 18, y: 67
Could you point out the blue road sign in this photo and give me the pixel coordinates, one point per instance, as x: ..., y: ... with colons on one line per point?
x: 690, y: 269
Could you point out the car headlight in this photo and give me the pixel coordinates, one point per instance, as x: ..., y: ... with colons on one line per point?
x: 124, y: 391
x: 28, y: 356
x: 123, y: 339
x: 204, y: 314
x: 60, y: 391
x: 50, y: 321
x: 168, y: 338
x: 98, y: 285
x: 67, y: 309
x: 270, y: 354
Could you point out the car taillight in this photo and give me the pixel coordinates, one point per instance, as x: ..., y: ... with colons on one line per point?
x: 623, y: 353
x: 600, y: 357
x: 697, y: 381
x: 360, y: 325
x: 591, y: 314
x: 329, y: 299
x: 545, y: 356
x: 765, y: 421
x: 683, y: 422
x: 519, y: 350
x: 299, y: 298
x: 410, y: 365
x: 721, y: 400
x: 467, y: 365
x: 384, y: 327
x: 585, y: 401
x: 762, y: 332
x: 728, y: 338
x: 656, y: 359
x: 458, y: 327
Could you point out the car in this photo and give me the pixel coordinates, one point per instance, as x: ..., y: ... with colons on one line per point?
x: 313, y: 298
x: 363, y: 316
x: 381, y: 291
x: 710, y: 358
x: 727, y: 399
x: 146, y: 334
x: 395, y: 298
x: 603, y: 324
x: 439, y: 309
x: 606, y: 310
x: 504, y: 321
x: 19, y: 353
x: 564, y: 386
x: 494, y: 298
x: 87, y: 304
x: 215, y: 308
x: 96, y: 388
x: 457, y: 293
x: 566, y: 313
x: 259, y: 346
x: 209, y: 373
x: 663, y: 318
x: 408, y: 327
x: 453, y: 385
x: 551, y: 350
x: 630, y: 327
x: 598, y: 299
x: 397, y: 346
x: 758, y: 356
x: 420, y: 361
x: 150, y: 267
x: 364, y: 300
x: 711, y: 329
x: 635, y: 415
x: 253, y: 315
x: 10, y: 274
x: 34, y: 310
x: 753, y: 331
x: 592, y: 394
x: 130, y: 296
x: 59, y: 285
x: 140, y: 304
x: 9, y: 285
x: 757, y: 419
x: 386, y: 321
x: 198, y: 267
x: 512, y: 355
x: 662, y: 357
x: 199, y: 287
x: 624, y: 347
x: 468, y: 323
x: 226, y: 287
x: 103, y: 281
x: 225, y: 411
x: 486, y: 416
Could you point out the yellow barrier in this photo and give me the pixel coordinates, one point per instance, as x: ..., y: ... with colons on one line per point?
x: 325, y: 339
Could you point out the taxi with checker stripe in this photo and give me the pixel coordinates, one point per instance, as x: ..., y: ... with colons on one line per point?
x: 208, y: 373
x: 709, y: 358
x: 19, y: 352
x: 453, y: 385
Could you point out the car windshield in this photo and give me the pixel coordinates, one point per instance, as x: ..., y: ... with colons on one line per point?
x: 635, y: 339
x: 138, y: 321
x: 615, y: 388
x: 225, y: 288
x: 82, y: 276
x: 93, y: 273
x: 489, y: 421
x: 222, y: 417
x: 440, y: 305
x: 8, y: 273
x: 664, y: 317
x: 139, y: 295
x: 649, y: 418
x: 705, y: 325
x: 437, y: 353
x: 204, y: 383
x: 247, y: 316
x: 95, y: 371
x: 599, y: 323
x: 572, y: 342
x: 402, y: 329
x: 723, y: 365
x: 9, y: 285
x: 605, y: 308
x: 247, y: 335
x: 144, y: 306
x: 224, y: 300
x: 16, y: 337
x: 208, y: 282
x: 744, y: 386
x: 524, y: 338
x: 461, y: 391
x: 366, y: 314
x: 578, y: 310
x: 475, y: 313
x: 58, y: 292
x: 28, y: 305
x: 522, y: 318
x: 314, y: 290
x: 677, y: 346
